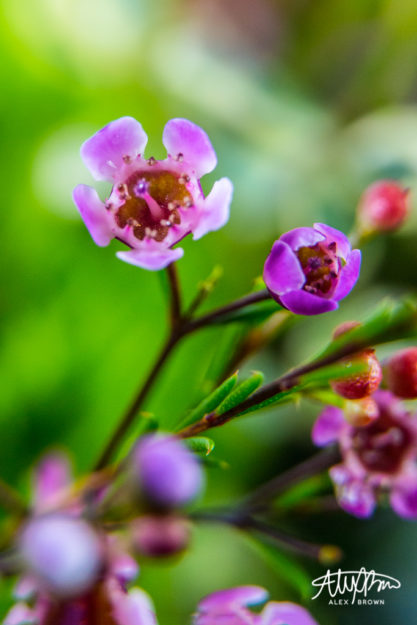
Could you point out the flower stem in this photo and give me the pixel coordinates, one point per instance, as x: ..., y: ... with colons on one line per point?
x: 11, y: 500
x: 251, y: 524
x: 175, y: 307
x: 317, y: 463
x: 217, y: 314
x: 181, y: 329
x: 130, y: 415
x: 284, y: 383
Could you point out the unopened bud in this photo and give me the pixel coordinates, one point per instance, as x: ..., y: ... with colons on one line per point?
x: 64, y: 553
x: 383, y: 207
x: 330, y: 554
x: 401, y: 373
x: 158, y: 537
x: 361, y: 412
x: 363, y: 384
x: 165, y: 472
x: 367, y: 381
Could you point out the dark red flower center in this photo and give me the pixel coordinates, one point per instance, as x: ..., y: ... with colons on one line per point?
x: 321, y: 267
x: 94, y: 608
x: 151, y: 202
x: 382, y: 445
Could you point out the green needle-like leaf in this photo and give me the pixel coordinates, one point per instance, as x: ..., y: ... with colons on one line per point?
x: 210, y: 403
x: 242, y: 392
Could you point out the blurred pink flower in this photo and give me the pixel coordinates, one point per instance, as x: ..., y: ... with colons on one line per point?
x: 230, y: 607
x: 377, y: 458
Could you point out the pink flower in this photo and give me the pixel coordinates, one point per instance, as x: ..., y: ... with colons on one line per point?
x: 153, y: 204
x: 230, y: 607
x: 377, y: 458
x: 309, y: 270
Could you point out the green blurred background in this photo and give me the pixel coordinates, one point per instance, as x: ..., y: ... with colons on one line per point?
x: 306, y: 102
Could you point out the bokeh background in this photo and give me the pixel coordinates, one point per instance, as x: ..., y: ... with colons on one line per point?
x: 306, y: 102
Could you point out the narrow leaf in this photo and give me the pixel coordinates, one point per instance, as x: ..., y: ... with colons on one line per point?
x: 200, y: 445
x: 210, y: 403
x: 242, y: 392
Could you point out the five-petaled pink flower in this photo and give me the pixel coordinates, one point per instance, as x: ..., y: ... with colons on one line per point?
x: 378, y: 459
x: 153, y: 204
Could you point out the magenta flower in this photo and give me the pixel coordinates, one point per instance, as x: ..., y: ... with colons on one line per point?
x: 166, y: 471
x: 153, y: 204
x: 310, y: 269
x: 73, y: 574
x: 230, y: 607
x: 378, y: 458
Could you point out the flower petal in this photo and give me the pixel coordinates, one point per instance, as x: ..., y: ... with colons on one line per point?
x: 343, y: 244
x: 285, y: 613
x: 94, y: 214
x: 403, y: 500
x: 282, y: 270
x: 302, y: 237
x: 152, y: 258
x: 132, y: 608
x: 303, y: 303
x: 103, y: 153
x: 21, y: 614
x: 356, y: 498
x: 233, y: 597
x: 52, y: 475
x: 183, y: 137
x: 348, y: 276
x: 328, y: 426
x: 215, y: 208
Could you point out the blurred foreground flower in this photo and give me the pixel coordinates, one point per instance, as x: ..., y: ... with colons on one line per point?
x: 230, y: 607
x: 153, y: 204
x: 310, y: 269
x: 165, y: 471
x: 378, y: 459
x: 73, y: 573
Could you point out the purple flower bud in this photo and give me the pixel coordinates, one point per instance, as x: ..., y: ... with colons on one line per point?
x: 64, y: 553
x: 153, y: 204
x: 310, y: 269
x: 159, y: 536
x: 167, y: 473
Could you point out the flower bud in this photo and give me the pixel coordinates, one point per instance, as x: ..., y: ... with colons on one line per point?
x: 383, y: 207
x: 363, y: 384
x: 361, y: 412
x: 166, y: 472
x: 157, y: 537
x: 401, y: 373
x: 64, y: 553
